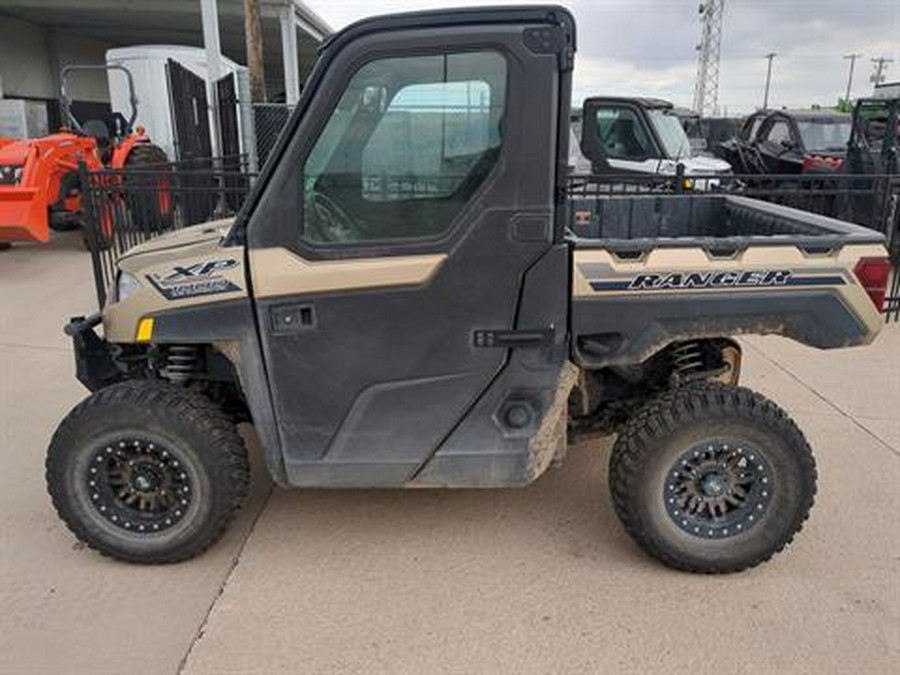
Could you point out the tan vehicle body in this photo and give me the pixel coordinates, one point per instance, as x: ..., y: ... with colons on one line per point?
x: 453, y: 323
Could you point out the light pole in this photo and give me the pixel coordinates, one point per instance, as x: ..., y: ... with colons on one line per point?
x: 852, y: 58
x: 770, y: 56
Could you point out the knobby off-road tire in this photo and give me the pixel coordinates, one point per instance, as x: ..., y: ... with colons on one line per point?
x: 147, y: 472
x: 712, y: 478
x: 150, y: 198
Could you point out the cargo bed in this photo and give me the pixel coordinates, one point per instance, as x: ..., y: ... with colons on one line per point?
x: 649, y: 270
x: 714, y: 222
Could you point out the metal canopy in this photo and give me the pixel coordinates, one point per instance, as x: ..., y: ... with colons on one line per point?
x: 126, y: 22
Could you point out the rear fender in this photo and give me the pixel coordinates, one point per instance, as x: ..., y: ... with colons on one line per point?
x: 122, y: 151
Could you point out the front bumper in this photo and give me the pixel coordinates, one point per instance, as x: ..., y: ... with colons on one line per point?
x: 94, y: 364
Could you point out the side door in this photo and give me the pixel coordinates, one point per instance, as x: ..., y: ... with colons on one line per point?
x: 779, y: 145
x: 392, y: 238
x: 617, y: 139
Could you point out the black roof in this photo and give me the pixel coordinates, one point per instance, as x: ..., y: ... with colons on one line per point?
x: 449, y: 17
x: 806, y: 114
x: 641, y: 101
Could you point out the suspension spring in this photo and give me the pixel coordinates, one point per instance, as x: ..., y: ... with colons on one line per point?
x: 687, y: 358
x: 182, y: 363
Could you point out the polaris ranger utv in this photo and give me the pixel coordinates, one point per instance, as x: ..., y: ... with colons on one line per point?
x: 403, y: 302
x: 640, y: 136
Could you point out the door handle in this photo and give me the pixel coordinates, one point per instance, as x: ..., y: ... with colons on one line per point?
x: 289, y: 319
x: 512, y: 339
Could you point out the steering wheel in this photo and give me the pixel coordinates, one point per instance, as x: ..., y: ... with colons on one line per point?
x: 331, y: 223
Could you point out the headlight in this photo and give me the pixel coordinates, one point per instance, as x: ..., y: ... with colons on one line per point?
x: 126, y: 285
x: 10, y: 174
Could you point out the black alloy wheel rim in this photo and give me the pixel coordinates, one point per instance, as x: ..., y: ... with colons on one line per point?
x: 719, y: 489
x: 139, y: 486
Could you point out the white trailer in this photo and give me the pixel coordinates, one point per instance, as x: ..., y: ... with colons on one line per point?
x: 147, y: 64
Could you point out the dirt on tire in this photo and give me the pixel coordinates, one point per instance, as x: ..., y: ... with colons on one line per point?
x: 658, y: 434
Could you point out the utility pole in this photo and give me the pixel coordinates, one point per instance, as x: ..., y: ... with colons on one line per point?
x: 770, y: 56
x: 852, y: 58
x: 706, y: 88
x: 253, y: 39
x: 880, y: 65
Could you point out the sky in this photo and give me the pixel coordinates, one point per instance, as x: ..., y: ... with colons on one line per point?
x: 647, y: 47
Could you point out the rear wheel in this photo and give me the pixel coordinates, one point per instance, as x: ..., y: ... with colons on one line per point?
x: 149, y: 190
x: 147, y: 472
x: 712, y: 478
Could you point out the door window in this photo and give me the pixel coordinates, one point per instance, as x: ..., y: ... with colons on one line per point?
x: 753, y: 129
x: 622, y: 134
x: 778, y: 132
x: 407, y: 145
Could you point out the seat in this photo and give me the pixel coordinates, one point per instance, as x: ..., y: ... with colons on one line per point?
x: 621, y: 141
x: 98, y: 130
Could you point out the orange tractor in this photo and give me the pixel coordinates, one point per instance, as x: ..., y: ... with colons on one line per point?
x: 39, y: 183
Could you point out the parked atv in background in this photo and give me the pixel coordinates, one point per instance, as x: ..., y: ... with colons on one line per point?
x: 871, y: 157
x: 789, y: 142
x: 706, y: 133
x: 640, y: 136
x: 39, y: 186
x: 872, y: 148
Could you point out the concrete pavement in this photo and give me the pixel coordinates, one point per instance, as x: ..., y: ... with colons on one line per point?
x: 539, y: 580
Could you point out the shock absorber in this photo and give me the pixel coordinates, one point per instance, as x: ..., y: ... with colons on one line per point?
x: 182, y: 363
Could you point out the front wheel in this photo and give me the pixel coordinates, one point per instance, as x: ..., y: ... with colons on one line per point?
x: 147, y: 472
x: 712, y: 478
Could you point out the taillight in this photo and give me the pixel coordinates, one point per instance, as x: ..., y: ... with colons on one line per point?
x: 873, y: 276
x: 821, y: 163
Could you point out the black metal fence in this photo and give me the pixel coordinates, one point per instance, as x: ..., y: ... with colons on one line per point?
x: 872, y: 201
x: 127, y: 207
x: 269, y: 119
x: 867, y: 200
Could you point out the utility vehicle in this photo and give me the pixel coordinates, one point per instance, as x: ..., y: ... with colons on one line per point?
x: 405, y: 301
x: 789, y: 142
x: 39, y: 188
x: 619, y: 135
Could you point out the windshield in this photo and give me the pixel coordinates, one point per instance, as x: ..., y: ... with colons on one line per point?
x: 668, y: 127
x: 823, y: 136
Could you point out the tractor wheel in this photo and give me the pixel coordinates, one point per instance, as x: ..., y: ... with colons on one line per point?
x: 149, y: 193
x: 712, y: 478
x: 147, y: 472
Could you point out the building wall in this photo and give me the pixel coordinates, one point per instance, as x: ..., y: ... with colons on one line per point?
x: 24, y: 60
x: 76, y: 50
x: 31, y: 57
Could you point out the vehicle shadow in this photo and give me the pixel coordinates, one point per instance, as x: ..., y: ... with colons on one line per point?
x: 566, y: 513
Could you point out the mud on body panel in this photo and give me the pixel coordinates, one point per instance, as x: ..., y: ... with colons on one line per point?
x: 599, y: 273
x: 668, y: 295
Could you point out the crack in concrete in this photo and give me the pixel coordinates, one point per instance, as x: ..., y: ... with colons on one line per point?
x: 825, y: 400
x: 201, y: 629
